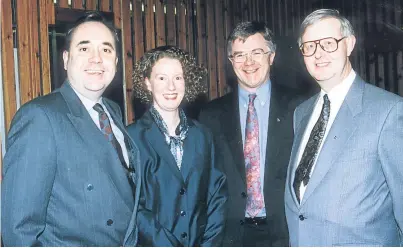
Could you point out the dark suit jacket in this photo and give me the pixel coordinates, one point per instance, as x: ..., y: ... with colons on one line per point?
x: 179, y: 207
x: 63, y: 183
x: 222, y: 117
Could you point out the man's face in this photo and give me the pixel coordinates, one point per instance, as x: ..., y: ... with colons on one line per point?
x: 252, y: 73
x: 328, y: 69
x: 91, y: 60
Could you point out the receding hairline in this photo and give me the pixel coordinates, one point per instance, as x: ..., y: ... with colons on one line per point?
x: 76, y: 29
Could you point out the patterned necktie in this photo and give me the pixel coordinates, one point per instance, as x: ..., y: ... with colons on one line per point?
x: 302, y: 174
x: 106, y: 129
x: 255, y: 202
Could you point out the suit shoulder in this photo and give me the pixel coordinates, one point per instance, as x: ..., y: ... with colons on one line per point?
x: 202, y: 130
x: 376, y: 94
x: 218, y: 103
x: 51, y: 103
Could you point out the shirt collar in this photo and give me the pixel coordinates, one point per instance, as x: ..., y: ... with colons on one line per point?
x: 339, y: 92
x: 88, y: 103
x: 262, y: 93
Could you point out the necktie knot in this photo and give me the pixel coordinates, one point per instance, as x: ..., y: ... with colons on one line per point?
x: 252, y: 98
x: 326, y: 107
x: 98, y: 107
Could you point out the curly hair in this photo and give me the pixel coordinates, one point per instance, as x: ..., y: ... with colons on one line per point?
x: 194, y: 75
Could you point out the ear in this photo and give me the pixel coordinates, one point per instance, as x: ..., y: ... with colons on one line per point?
x: 271, y: 58
x: 148, y: 84
x: 65, y: 59
x: 116, y: 62
x: 350, y: 44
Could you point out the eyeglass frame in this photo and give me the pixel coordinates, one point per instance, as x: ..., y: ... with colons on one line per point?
x: 318, y: 42
x: 248, y: 54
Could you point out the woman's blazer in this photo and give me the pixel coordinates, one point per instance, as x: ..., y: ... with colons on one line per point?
x: 183, y: 207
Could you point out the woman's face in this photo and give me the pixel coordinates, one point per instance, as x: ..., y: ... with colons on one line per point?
x: 167, y: 85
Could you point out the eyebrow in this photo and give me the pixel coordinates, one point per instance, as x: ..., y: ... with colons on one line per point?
x: 106, y: 43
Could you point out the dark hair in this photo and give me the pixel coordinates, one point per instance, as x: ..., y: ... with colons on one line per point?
x: 243, y: 30
x: 194, y: 75
x: 92, y: 16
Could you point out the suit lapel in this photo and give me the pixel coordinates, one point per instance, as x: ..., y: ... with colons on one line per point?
x: 275, y: 136
x: 157, y: 142
x: 341, y: 130
x: 96, y: 142
x: 299, y: 133
x: 231, y: 127
x: 189, y: 152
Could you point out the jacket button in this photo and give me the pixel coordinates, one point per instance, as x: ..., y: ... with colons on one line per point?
x: 109, y: 222
x: 90, y: 187
x: 182, y: 191
x: 184, y: 235
x: 183, y: 213
x: 301, y: 217
x: 241, y: 222
x: 243, y: 194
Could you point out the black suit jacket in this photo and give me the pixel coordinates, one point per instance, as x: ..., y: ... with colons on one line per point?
x: 179, y: 207
x: 222, y: 117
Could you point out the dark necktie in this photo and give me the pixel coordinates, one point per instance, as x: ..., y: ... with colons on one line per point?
x: 255, y: 202
x: 311, y: 149
x: 106, y: 129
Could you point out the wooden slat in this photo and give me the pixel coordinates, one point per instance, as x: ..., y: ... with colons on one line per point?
x: 171, y: 22
x: 201, y: 32
x: 34, y: 51
x: 138, y: 29
x: 24, y: 50
x: 229, y: 20
x: 127, y: 59
x: 7, y: 63
x: 150, y: 30
x: 44, y: 38
x: 189, y: 27
x: 51, y: 12
x: 181, y: 14
x: 211, y: 48
x: 117, y: 14
x: 63, y: 3
x: 160, y: 23
x: 91, y: 4
x: 245, y: 10
x: 219, y: 20
x: 104, y: 5
x: 78, y: 4
x: 399, y: 66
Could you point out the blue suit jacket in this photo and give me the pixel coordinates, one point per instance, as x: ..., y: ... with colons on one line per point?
x: 179, y: 207
x: 355, y: 194
x: 63, y: 183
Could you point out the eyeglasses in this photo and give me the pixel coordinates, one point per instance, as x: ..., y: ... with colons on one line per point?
x: 256, y: 55
x: 328, y: 44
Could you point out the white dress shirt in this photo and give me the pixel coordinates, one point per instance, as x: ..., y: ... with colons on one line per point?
x: 89, y: 104
x: 336, y: 97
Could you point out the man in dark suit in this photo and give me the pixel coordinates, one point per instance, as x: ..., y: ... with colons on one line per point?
x: 252, y: 127
x: 69, y: 167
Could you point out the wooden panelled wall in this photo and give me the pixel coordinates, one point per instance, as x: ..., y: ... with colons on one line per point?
x: 199, y: 26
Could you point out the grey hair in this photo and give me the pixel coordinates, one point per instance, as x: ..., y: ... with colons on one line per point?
x: 346, y: 28
x: 245, y: 29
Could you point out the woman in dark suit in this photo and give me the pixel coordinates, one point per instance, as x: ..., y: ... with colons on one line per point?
x: 183, y: 195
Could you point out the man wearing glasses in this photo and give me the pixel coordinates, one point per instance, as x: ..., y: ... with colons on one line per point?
x: 345, y: 177
x: 252, y: 127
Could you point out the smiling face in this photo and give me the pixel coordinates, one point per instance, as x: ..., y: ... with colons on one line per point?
x: 167, y: 85
x: 328, y: 69
x: 91, y: 60
x: 251, y: 74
